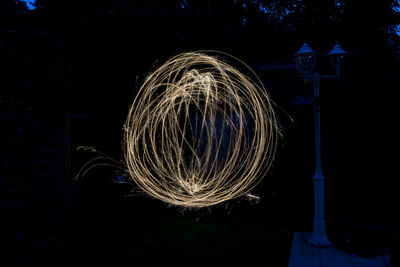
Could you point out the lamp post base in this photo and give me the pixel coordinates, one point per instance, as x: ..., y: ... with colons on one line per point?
x: 319, y: 237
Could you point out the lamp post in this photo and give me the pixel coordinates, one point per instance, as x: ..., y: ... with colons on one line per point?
x: 305, y: 64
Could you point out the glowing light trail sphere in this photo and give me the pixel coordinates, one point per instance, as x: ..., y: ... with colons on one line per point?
x: 199, y: 132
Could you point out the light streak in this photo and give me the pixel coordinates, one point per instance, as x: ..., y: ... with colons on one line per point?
x: 199, y: 132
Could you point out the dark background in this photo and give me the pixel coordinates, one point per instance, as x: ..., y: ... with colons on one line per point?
x: 69, y: 70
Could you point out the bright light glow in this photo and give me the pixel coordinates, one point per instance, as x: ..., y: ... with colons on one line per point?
x: 199, y: 132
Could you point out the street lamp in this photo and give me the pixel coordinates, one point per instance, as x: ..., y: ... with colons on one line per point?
x: 305, y: 64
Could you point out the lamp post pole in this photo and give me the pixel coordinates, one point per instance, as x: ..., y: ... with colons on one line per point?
x: 305, y: 63
x: 319, y: 237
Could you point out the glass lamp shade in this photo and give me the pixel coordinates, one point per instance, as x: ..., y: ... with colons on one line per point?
x: 336, y: 59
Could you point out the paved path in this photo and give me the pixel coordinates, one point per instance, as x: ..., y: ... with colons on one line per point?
x: 304, y: 255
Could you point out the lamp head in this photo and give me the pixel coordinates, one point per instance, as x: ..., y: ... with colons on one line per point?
x: 336, y: 56
x: 305, y: 61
